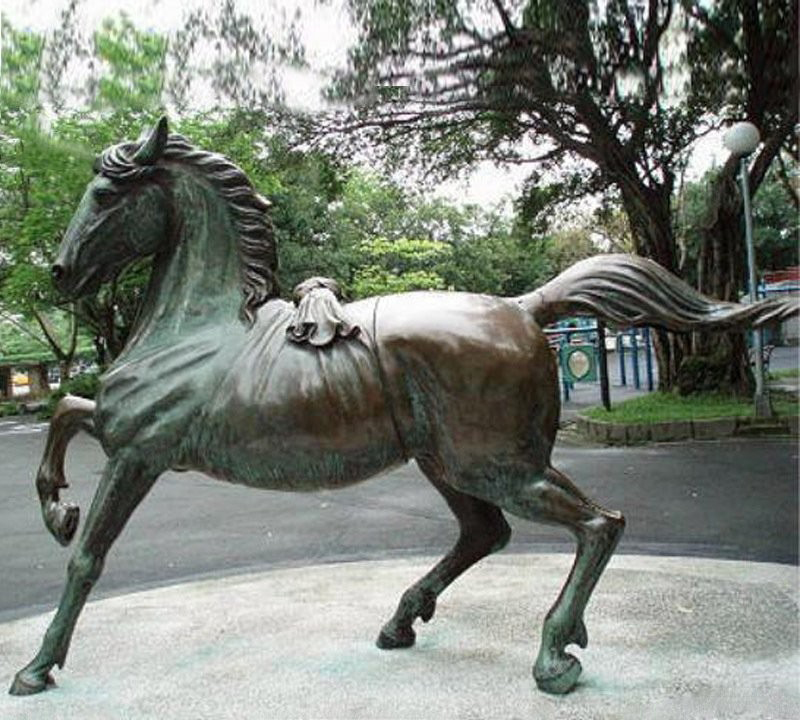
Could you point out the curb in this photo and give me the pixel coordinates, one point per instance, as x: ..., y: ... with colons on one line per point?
x: 612, y: 433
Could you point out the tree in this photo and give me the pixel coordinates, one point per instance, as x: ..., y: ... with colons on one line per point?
x: 43, y: 175
x: 23, y: 344
x: 462, y: 81
x: 29, y: 193
x: 775, y: 222
x: 239, y: 56
x: 400, y: 265
x: 597, y: 92
x: 744, y: 62
x: 129, y: 68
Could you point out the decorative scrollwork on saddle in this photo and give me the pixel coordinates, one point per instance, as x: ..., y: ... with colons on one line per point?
x: 319, y: 318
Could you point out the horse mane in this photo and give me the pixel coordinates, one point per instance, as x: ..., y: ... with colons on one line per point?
x: 258, y: 255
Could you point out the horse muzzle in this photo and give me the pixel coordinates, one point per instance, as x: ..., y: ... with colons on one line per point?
x: 57, y: 272
x: 71, y: 286
x: 63, y: 281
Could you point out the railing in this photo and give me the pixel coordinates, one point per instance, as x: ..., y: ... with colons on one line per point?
x: 647, y: 348
x: 632, y: 346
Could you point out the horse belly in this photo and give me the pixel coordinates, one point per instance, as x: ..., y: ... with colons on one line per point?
x: 300, y: 419
x: 296, y: 471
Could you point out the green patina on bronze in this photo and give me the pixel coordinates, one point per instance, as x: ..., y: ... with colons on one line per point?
x: 222, y: 376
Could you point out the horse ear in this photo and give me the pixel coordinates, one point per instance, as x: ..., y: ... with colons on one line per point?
x: 153, y: 146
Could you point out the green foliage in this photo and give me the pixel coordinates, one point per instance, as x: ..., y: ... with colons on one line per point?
x: 43, y: 174
x: 398, y: 266
x: 134, y: 64
x: 19, y: 80
x: 10, y: 408
x: 775, y: 222
x: 21, y: 342
x: 776, y: 225
x: 784, y: 374
x: 25, y: 341
x: 567, y: 246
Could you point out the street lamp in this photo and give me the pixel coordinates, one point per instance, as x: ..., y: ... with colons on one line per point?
x: 741, y: 139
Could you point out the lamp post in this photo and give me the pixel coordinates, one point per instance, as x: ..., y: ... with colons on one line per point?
x: 741, y: 139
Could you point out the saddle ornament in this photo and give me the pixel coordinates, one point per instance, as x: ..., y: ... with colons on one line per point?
x: 319, y: 318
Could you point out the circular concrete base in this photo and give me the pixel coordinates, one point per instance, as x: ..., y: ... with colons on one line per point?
x: 668, y: 638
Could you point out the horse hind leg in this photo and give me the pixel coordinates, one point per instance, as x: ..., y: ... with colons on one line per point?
x: 72, y: 414
x: 551, y: 497
x: 483, y: 530
x: 120, y: 491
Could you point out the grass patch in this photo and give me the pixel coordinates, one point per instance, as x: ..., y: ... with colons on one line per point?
x: 787, y: 373
x: 667, y: 407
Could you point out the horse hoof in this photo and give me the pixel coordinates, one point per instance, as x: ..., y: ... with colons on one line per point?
x: 392, y: 639
x: 26, y: 683
x: 559, y: 679
x: 69, y: 516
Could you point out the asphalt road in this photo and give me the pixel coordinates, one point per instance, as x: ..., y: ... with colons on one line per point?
x: 734, y: 499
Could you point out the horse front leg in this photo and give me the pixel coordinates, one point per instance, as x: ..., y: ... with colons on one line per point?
x: 123, y: 486
x: 72, y: 414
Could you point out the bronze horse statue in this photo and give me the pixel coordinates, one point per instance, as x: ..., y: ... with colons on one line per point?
x: 222, y: 376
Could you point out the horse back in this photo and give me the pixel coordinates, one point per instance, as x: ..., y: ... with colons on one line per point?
x: 472, y: 376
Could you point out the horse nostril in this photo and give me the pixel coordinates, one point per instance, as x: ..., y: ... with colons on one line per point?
x: 57, y: 272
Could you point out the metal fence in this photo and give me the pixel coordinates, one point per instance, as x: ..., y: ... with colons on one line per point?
x: 634, y: 356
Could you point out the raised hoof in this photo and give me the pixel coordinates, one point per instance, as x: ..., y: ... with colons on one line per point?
x: 560, y: 679
x: 29, y: 684
x: 67, y: 518
x: 396, y: 638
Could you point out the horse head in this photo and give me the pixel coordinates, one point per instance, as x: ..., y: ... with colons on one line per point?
x: 138, y: 204
x: 123, y: 215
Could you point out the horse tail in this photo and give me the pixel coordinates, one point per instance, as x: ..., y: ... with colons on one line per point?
x: 629, y: 290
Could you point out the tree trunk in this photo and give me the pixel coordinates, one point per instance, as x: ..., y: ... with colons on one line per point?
x: 37, y: 375
x: 650, y: 215
x: 723, y: 360
x: 6, y: 387
x: 64, y: 369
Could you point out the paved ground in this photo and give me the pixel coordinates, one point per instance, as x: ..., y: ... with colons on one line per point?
x: 677, y: 638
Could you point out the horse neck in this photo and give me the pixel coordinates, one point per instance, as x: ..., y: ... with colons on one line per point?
x: 195, y: 282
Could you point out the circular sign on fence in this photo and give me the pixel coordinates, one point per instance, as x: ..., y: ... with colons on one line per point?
x: 579, y: 363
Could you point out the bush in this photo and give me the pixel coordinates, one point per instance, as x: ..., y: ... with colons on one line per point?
x: 84, y: 385
x: 10, y: 408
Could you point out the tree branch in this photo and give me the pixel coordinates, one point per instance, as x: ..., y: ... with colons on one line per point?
x: 509, y: 27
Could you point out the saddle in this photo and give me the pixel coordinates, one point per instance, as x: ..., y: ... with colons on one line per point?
x: 319, y: 318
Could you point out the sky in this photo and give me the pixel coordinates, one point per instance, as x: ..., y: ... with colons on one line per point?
x: 327, y: 34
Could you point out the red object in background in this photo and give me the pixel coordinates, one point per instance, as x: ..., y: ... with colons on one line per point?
x: 790, y: 274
